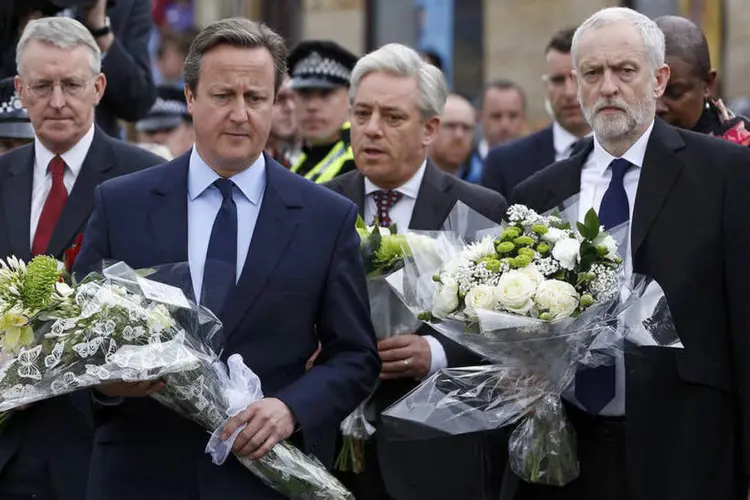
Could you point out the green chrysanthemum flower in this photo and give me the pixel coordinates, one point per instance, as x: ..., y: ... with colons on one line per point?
x: 524, y: 241
x: 527, y: 251
x: 39, y: 282
x: 539, y: 229
x: 521, y: 261
x: 491, y: 264
x: 391, y: 250
x: 505, y: 247
x: 542, y: 248
x: 510, y: 234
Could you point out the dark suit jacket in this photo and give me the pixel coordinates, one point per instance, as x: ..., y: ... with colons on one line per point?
x: 130, y: 91
x: 508, y: 164
x: 304, y: 258
x: 48, y: 445
x: 441, y: 468
x: 688, y: 410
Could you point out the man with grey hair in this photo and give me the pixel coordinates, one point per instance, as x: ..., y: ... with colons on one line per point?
x: 48, y: 191
x: 275, y: 257
x: 397, y: 100
x: 688, y: 410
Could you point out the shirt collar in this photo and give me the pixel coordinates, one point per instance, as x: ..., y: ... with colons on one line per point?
x: 483, y: 148
x: 562, y: 139
x: 73, y: 158
x: 409, y: 189
x: 251, y: 182
x: 634, y: 154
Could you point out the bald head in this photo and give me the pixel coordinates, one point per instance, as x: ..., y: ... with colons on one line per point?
x: 686, y: 41
x: 452, y: 147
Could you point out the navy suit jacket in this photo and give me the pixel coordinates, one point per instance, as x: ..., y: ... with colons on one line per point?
x: 510, y: 164
x: 303, y: 282
x: 47, y: 447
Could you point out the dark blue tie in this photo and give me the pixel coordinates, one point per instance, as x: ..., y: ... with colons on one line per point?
x: 595, y: 387
x: 220, y: 272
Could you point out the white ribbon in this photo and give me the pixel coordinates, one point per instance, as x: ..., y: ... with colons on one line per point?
x: 241, y: 387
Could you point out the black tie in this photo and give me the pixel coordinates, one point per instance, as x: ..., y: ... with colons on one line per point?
x: 596, y: 387
x: 220, y: 271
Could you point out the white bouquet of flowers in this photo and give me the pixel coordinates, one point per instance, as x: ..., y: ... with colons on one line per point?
x: 539, y: 298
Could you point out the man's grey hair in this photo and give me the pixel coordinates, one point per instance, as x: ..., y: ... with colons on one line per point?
x: 653, y: 38
x: 400, y: 60
x: 63, y: 33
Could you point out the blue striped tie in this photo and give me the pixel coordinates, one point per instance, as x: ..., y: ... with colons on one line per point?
x: 595, y: 387
x: 220, y: 271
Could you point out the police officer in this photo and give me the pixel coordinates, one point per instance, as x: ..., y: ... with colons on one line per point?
x: 320, y: 72
x: 168, y: 122
x: 15, y: 127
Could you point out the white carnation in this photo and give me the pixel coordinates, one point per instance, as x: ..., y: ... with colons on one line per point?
x: 609, y: 243
x: 566, y: 252
x: 480, y: 297
x: 556, y: 297
x: 480, y: 249
x: 515, y: 292
x: 445, y: 298
x: 553, y: 235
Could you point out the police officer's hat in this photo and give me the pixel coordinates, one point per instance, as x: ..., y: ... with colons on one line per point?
x: 14, y: 120
x: 168, y: 112
x: 320, y: 64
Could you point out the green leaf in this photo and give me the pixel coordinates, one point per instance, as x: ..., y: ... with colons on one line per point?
x: 393, y: 229
x: 592, y: 223
x: 588, y: 255
x: 360, y: 224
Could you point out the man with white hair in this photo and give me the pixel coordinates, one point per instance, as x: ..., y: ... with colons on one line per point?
x: 47, y: 190
x: 397, y: 100
x: 684, y: 199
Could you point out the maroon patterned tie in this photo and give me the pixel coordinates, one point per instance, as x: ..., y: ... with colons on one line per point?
x: 385, y: 200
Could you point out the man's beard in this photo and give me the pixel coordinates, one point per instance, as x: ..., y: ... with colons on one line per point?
x: 620, y: 125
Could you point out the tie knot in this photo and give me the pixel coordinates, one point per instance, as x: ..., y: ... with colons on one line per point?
x: 56, y: 166
x: 619, y: 167
x: 225, y: 187
x: 387, y: 198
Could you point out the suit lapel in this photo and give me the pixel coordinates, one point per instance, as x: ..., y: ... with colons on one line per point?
x: 354, y: 189
x: 546, y: 150
x: 567, y: 183
x: 274, y: 229
x: 169, y: 216
x: 433, y: 205
x: 661, y: 168
x: 99, y: 160
x: 17, y: 204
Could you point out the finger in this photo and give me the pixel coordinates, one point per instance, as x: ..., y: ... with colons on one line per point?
x: 252, y: 427
x: 395, y: 342
x: 396, y: 366
x: 255, y: 442
x: 395, y: 375
x: 267, y: 446
x: 397, y: 355
x: 235, y: 422
x: 154, y: 388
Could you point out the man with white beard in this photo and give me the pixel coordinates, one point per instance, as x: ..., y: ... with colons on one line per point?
x: 684, y: 198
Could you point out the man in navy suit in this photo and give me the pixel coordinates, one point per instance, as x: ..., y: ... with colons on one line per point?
x: 280, y: 259
x: 509, y: 164
x: 46, y: 197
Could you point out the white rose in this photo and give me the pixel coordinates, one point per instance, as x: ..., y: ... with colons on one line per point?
x: 532, y: 272
x: 559, y: 298
x: 515, y: 292
x: 445, y: 298
x: 609, y: 243
x: 566, y: 252
x: 553, y: 235
x: 480, y: 297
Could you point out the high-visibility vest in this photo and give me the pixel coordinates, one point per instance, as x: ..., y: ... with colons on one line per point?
x: 331, y: 164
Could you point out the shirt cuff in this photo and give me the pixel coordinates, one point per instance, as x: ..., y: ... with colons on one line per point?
x: 438, y: 360
x: 103, y: 400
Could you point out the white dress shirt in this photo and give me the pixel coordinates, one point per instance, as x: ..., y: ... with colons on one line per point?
x: 595, y: 178
x: 204, y: 202
x: 563, y: 141
x: 401, y: 216
x: 42, y: 181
